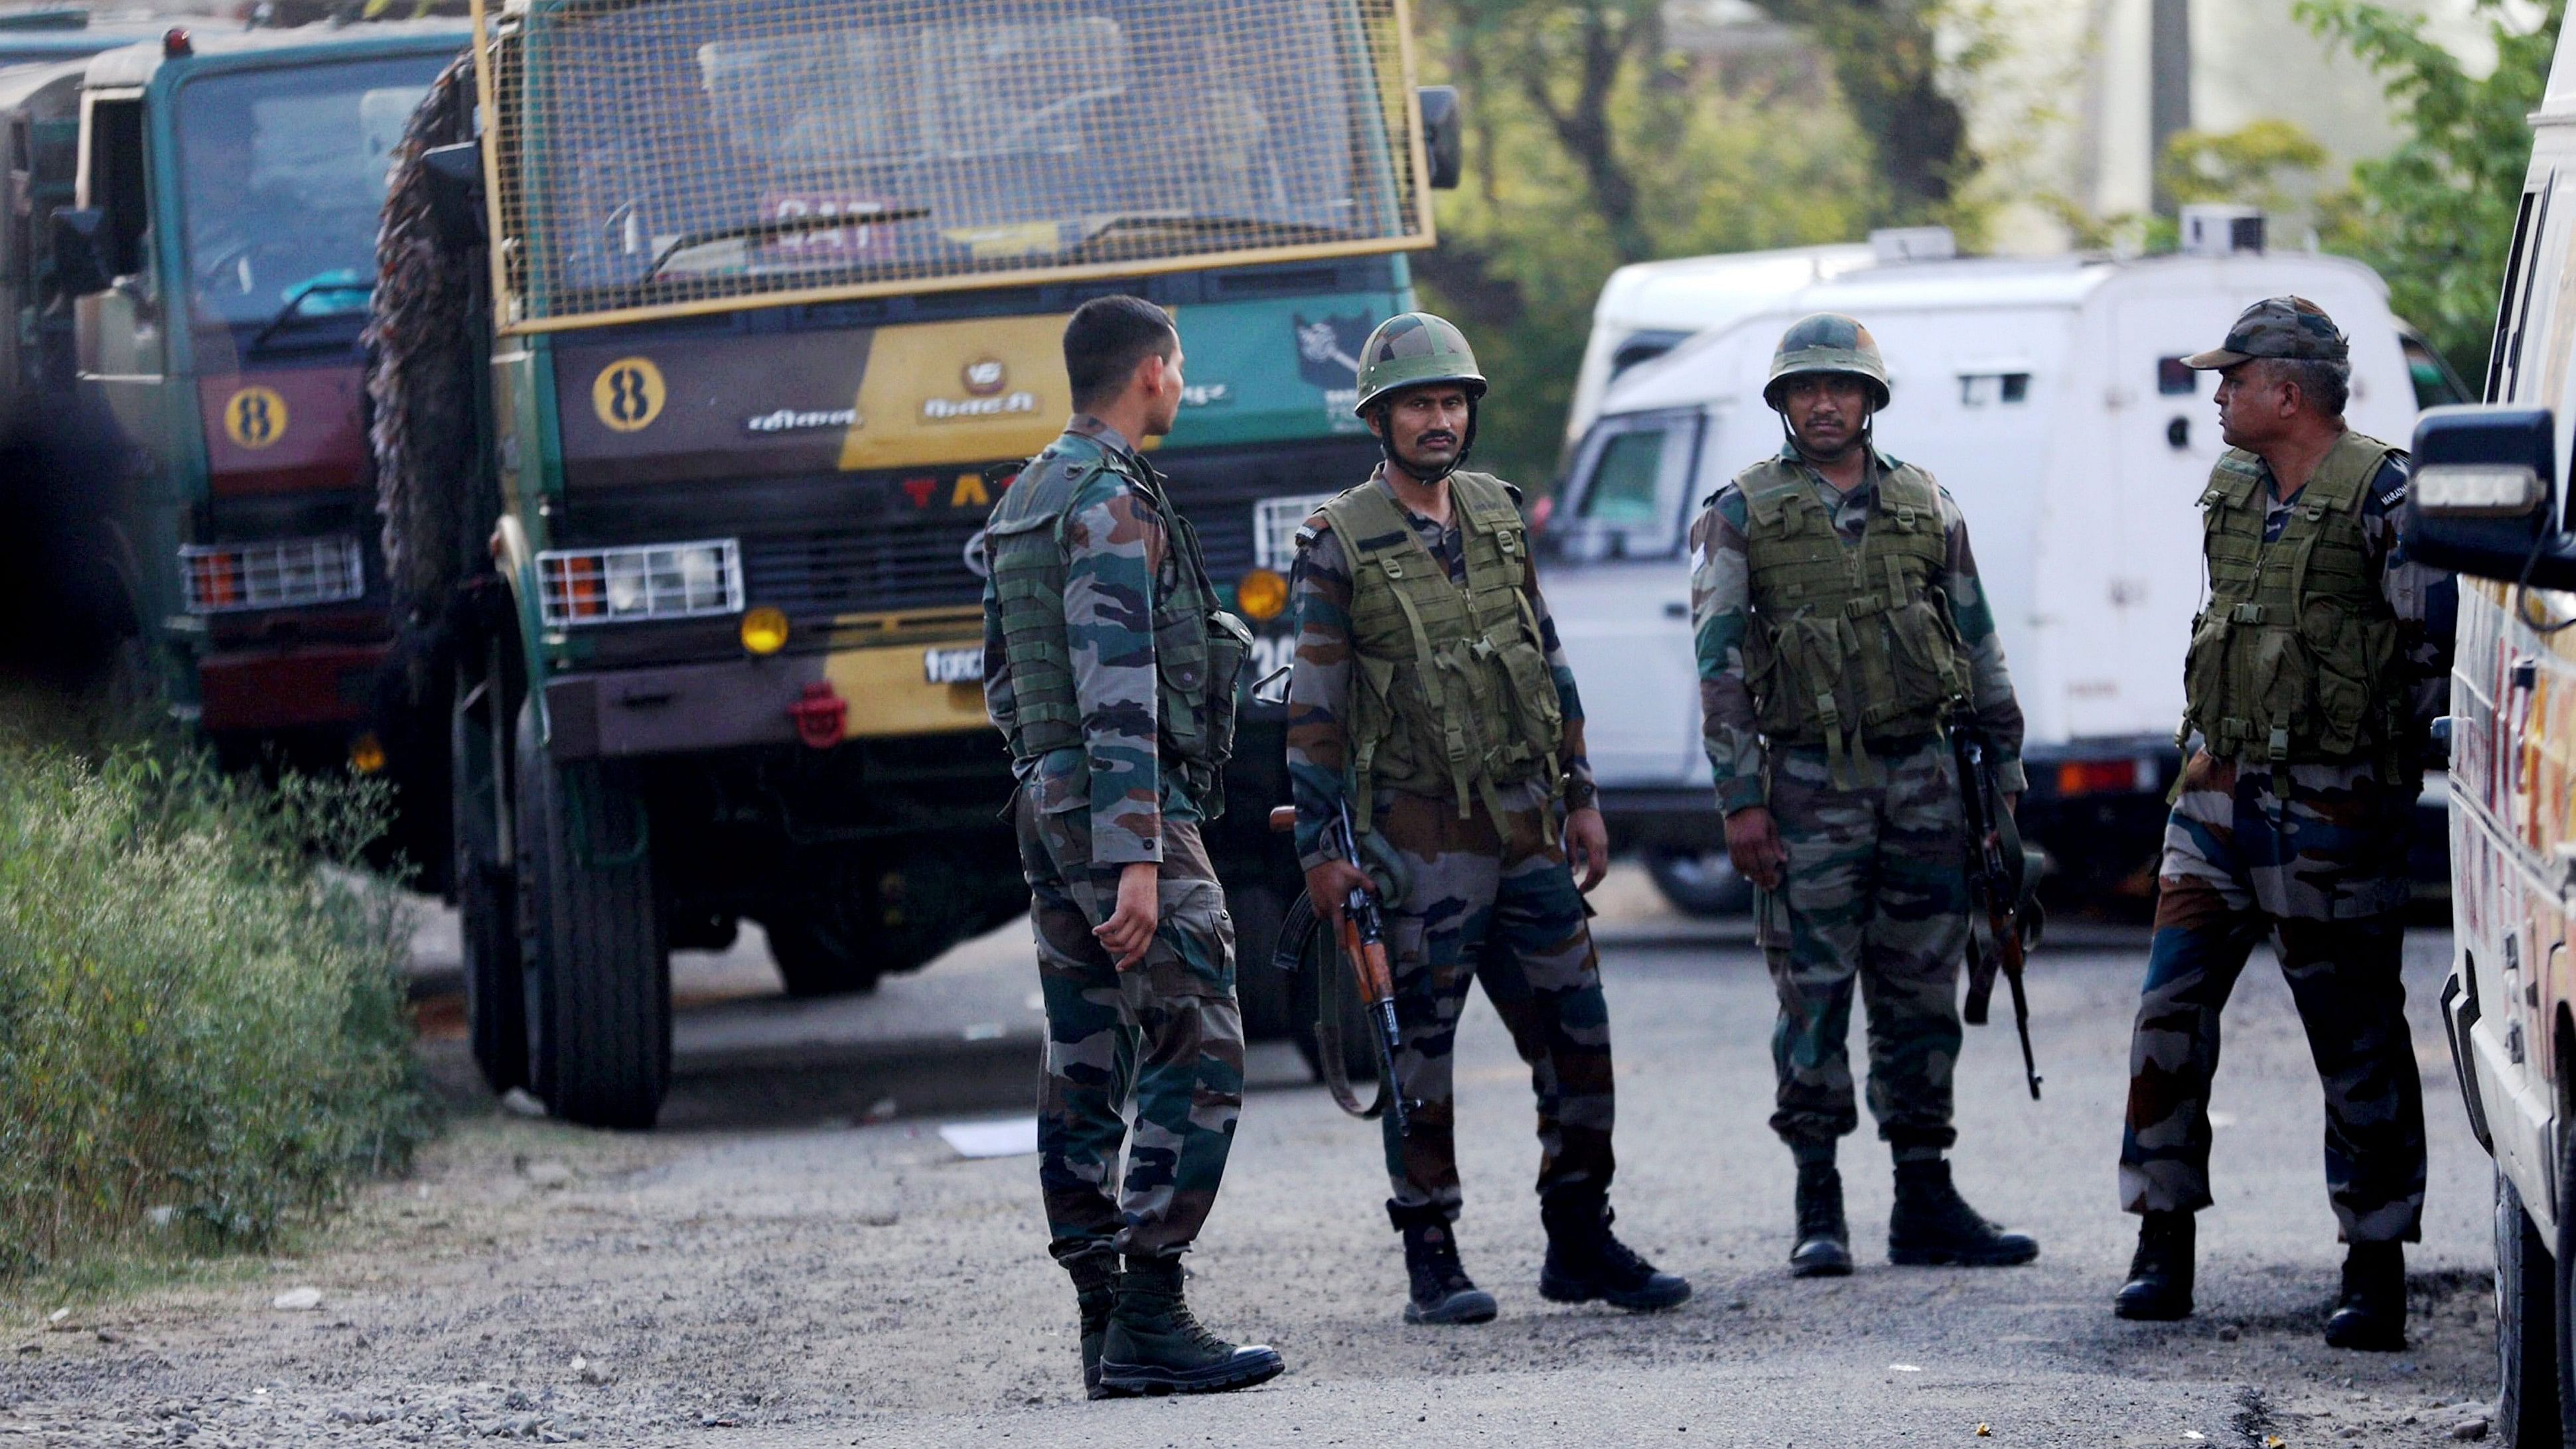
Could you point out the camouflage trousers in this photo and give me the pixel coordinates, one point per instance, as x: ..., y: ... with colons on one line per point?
x: 1500, y: 907
x: 1875, y: 894
x: 2323, y: 874
x: 1165, y: 1038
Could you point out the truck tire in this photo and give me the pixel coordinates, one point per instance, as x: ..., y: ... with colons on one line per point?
x: 496, y: 1002
x: 819, y: 958
x: 1260, y: 987
x: 1699, y: 883
x: 2527, y: 1414
x: 590, y: 941
x: 2564, y: 1284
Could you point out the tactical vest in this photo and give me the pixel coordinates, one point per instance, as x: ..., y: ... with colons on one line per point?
x: 1199, y: 649
x: 1451, y: 694
x: 1848, y: 644
x: 2294, y: 656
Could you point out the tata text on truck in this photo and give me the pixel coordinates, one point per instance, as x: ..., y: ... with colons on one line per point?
x: 2492, y: 499
x: 774, y: 306
x: 219, y: 251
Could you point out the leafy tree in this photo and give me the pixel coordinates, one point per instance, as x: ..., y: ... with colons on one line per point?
x: 2435, y: 217
x: 1888, y: 63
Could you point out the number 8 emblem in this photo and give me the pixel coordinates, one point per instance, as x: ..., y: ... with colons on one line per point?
x: 628, y: 394
x: 255, y: 417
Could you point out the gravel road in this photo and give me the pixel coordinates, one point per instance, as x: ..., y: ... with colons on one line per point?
x: 777, y: 1269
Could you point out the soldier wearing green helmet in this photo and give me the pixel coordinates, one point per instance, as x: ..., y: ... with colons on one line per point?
x: 1429, y: 697
x: 1838, y: 620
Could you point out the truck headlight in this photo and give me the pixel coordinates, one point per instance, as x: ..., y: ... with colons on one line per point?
x: 279, y: 573
x: 640, y: 583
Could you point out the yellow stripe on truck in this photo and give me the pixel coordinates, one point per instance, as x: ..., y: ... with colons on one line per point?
x: 890, y: 693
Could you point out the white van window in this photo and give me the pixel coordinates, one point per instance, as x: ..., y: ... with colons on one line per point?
x: 1623, y: 488
x: 1988, y: 389
x: 1625, y: 494
x: 2174, y: 378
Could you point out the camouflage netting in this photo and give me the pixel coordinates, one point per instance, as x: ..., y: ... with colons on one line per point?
x: 423, y: 352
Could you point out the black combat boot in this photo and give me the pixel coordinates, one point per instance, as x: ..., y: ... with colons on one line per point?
x: 1441, y: 1290
x: 1586, y: 1261
x: 2371, y: 1315
x: 1095, y: 1288
x: 1934, y: 1226
x: 1154, y: 1346
x: 1824, y: 1241
x: 2159, y: 1286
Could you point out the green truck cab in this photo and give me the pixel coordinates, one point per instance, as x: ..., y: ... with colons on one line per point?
x: 765, y: 310
x: 216, y: 253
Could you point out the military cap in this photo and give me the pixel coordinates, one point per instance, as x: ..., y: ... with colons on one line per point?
x: 2288, y: 327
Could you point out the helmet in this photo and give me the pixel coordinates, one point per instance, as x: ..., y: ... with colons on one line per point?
x: 1827, y: 342
x: 1411, y: 349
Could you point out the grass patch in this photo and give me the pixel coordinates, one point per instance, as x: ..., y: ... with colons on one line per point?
x: 203, y: 1036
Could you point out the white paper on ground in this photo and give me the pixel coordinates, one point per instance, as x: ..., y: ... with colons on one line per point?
x: 1010, y: 1137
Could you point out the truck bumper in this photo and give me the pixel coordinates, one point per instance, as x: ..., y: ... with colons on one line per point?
x: 685, y: 708
x: 258, y: 691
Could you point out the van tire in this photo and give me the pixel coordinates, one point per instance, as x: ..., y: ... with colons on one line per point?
x: 1699, y: 882
x: 2565, y: 1293
x: 496, y: 1002
x: 591, y: 941
x: 2527, y: 1414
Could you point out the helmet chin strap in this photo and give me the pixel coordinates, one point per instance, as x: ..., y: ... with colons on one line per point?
x: 1386, y: 444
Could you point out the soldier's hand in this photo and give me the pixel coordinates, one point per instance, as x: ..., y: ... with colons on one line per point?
x: 1753, y: 845
x: 1587, y: 846
x: 1331, y: 883
x: 1130, y: 927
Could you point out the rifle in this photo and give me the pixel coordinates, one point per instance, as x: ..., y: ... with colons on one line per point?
x: 1363, y: 945
x: 1996, y: 871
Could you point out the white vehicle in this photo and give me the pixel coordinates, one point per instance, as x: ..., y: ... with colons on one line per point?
x: 2049, y: 396
x: 2492, y: 501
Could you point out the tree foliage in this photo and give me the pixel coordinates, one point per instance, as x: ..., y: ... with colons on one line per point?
x: 1592, y: 143
x: 2435, y: 217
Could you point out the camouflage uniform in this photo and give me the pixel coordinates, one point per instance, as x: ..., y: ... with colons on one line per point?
x: 1166, y: 1036
x: 1488, y: 899
x: 2320, y: 867
x: 1875, y: 889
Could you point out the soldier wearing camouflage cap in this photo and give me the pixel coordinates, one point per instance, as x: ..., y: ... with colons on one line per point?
x: 1111, y: 673
x: 1839, y: 618
x: 2314, y: 672
x: 1430, y: 697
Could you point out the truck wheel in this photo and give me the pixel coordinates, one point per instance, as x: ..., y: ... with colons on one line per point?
x: 1260, y: 988
x: 2564, y: 1285
x: 496, y: 1003
x: 2526, y: 1328
x: 1699, y: 882
x: 590, y: 941
x: 817, y: 958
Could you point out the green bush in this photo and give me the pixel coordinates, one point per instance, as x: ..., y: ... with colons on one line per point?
x: 201, y: 1029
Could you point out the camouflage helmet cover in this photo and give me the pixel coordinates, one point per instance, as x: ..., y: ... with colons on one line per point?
x: 1411, y: 349
x: 1826, y: 343
x: 2288, y: 327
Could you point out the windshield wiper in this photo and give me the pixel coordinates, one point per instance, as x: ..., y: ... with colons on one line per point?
x: 768, y: 230
x: 1292, y: 231
x: 302, y: 292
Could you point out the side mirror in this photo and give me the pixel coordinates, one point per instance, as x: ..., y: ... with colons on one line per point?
x: 454, y: 178
x: 2479, y: 499
x: 80, y: 251
x: 1444, y: 139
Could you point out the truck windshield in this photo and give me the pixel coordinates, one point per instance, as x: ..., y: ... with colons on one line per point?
x: 282, y: 173
x: 699, y: 148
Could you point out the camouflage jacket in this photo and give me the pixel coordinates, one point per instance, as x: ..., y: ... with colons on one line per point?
x: 2425, y: 600
x: 1721, y: 613
x: 1319, y: 678
x: 1114, y: 547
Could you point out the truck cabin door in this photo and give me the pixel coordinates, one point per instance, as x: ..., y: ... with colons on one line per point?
x: 120, y: 332
x: 1617, y: 577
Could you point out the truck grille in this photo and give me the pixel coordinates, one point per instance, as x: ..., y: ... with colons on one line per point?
x: 827, y: 573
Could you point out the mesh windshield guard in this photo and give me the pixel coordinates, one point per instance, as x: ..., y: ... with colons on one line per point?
x: 672, y: 157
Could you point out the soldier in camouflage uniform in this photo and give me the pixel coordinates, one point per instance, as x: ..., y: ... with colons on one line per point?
x: 1111, y: 673
x: 1838, y: 616
x: 2314, y: 672
x: 1429, y: 696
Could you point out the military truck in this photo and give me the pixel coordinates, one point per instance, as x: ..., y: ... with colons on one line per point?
x: 755, y: 311
x: 217, y: 255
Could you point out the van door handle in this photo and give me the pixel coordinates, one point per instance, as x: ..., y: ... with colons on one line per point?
x: 1676, y: 609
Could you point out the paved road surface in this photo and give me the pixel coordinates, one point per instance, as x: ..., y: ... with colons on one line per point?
x: 776, y: 1269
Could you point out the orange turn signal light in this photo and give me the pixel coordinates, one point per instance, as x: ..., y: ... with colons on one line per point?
x: 764, y: 630
x: 1261, y: 595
